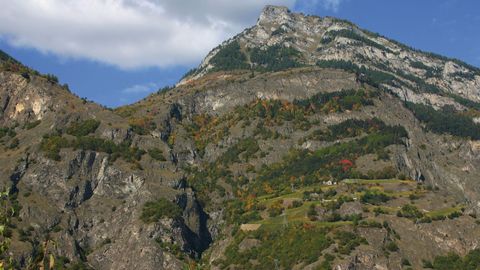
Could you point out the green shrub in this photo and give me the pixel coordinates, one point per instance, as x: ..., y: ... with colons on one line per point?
x: 454, y: 215
x: 391, y: 246
x: 379, y: 210
x: 230, y: 57
x: 446, y: 120
x: 249, y: 217
x: 358, y: 37
x: 273, y: 212
x: 290, y: 246
x: 156, y: 154
x: 275, y: 58
x: 330, y: 193
x: 327, y: 263
x: 370, y: 224
x: 348, y: 241
x: 14, y: 143
x: 410, y: 211
x: 51, y: 78
x: 140, y: 130
x: 413, y: 196
x: 419, y: 65
x: 338, y: 101
x: 188, y: 73
x: 369, y: 76
x: 52, y: 144
x: 83, y: 128
x: 5, y: 57
x: 452, y: 261
x: 31, y: 125
x: 425, y: 219
x: 427, y: 264
x: 448, y: 262
x: 348, y: 128
x: 312, y: 212
x: 374, y: 197
x: 4, y: 131
x: 246, y: 147
x: 464, y: 75
x: 205, y: 182
x: 161, y: 208
x: 472, y: 260
x: 465, y: 102
x: 123, y: 150
x: 279, y: 31
x: 297, y: 203
x: 406, y: 262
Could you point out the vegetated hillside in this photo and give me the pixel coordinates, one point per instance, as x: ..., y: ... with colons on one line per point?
x: 301, y: 143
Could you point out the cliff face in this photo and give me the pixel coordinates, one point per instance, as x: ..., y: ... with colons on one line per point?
x: 86, y: 203
x: 281, y: 135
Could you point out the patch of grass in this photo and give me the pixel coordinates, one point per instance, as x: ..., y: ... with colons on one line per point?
x: 444, y: 212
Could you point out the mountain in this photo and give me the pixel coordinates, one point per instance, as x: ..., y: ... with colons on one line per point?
x: 301, y: 143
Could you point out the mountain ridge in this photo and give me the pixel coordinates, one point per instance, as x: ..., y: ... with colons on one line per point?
x: 312, y: 37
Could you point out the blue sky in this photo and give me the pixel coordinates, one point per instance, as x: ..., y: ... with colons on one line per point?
x: 131, y: 48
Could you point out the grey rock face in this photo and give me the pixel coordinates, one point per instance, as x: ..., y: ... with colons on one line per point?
x: 282, y: 86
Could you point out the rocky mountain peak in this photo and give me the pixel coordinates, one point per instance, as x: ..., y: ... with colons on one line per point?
x: 274, y: 14
x: 282, y: 39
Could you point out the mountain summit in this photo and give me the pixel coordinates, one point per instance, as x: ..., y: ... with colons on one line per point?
x: 301, y: 143
x: 292, y: 39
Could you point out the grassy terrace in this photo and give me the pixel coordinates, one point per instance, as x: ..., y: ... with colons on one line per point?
x: 354, y: 189
x: 298, y: 193
x: 299, y: 215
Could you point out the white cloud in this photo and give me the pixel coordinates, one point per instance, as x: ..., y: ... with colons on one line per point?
x: 127, y: 33
x: 140, y: 88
